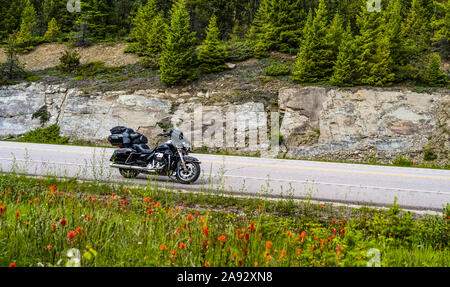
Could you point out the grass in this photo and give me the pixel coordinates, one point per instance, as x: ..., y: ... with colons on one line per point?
x: 43, y: 220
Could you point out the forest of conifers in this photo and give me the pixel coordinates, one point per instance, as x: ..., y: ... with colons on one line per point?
x: 342, y: 42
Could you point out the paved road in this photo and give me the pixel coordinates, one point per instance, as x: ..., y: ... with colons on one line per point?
x: 424, y: 189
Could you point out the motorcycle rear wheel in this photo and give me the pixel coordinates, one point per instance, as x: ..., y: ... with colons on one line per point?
x: 189, y: 174
x: 128, y: 173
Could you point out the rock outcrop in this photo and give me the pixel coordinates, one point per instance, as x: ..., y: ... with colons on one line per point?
x: 315, y: 122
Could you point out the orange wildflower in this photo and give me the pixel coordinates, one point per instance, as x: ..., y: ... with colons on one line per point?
x: 256, y: 264
x: 2, y: 210
x: 222, y: 238
x: 189, y: 217
x: 162, y: 247
x: 268, y: 244
x: 79, y: 230
x: 207, y: 264
x: 181, y: 245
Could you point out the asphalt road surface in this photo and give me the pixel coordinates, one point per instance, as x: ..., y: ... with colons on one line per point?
x: 415, y: 188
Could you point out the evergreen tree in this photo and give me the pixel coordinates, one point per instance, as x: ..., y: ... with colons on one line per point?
x: 416, y: 40
x: 24, y: 36
x: 58, y: 9
x: 374, y: 61
x: 99, y: 16
x: 345, y: 70
x: 393, y: 20
x: 53, y: 30
x: 212, y: 54
x: 332, y: 43
x: 149, y: 29
x: 314, y: 63
x: 178, y: 56
x: 434, y: 75
x: 12, y: 68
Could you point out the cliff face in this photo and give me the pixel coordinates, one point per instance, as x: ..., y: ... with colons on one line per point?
x: 315, y: 122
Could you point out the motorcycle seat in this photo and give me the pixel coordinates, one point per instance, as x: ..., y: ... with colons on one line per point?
x: 142, y: 148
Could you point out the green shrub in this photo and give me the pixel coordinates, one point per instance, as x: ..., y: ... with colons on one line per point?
x: 33, y: 78
x: 402, y: 161
x: 277, y: 70
x: 150, y: 62
x: 239, y: 51
x: 69, y: 62
x: 428, y: 154
x: 42, y: 114
x: 49, y: 135
x: 92, y: 69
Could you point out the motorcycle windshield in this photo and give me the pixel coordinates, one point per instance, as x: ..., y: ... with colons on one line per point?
x: 178, y: 139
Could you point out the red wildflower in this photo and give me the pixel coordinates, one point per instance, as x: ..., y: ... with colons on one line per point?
x: 189, y: 217
x: 2, y: 210
x: 222, y: 238
x: 247, y: 236
x: 196, y: 214
x: 12, y: 265
x: 245, y: 251
x: 52, y: 188
x: 79, y: 230
x: 447, y: 217
x: 53, y: 226
x: 234, y: 256
x: 240, y: 262
x: 268, y: 244
x: 17, y: 215
x: 207, y: 264
x: 205, y: 231
x: 163, y: 247
x: 71, y: 235
x: 181, y: 245
x: 63, y: 222
x: 147, y: 200
x: 299, y: 252
x: 149, y: 212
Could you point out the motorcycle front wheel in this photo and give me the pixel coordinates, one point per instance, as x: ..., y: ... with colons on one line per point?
x: 128, y: 173
x: 189, y: 174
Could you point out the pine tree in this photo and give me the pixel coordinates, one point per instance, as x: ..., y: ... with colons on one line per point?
x: 345, y: 68
x: 24, y: 36
x: 434, y: 75
x: 178, y: 56
x: 332, y: 43
x: 149, y: 30
x: 53, y: 30
x: 314, y: 63
x: 212, y: 54
x: 99, y: 15
x: 416, y: 38
x: 374, y: 61
x: 12, y: 68
x: 393, y: 20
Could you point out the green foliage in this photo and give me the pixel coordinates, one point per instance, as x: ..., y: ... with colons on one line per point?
x: 25, y: 33
x: 151, y: 62
x: 53, y: 31
x: 178, y: 57
x: 315, y: 63
x: 12, y: 68
x: 434, y: 76
x: 92, y: 69
x: 428, y: 154
x: 239, y: 50
x: 402, y: 161
x: 49, y: 135
x: 212, y: 54
x: 42, y: 114
x: 345, y: 69
x: 277, y: 70
x: 149, y: 30
x: 69, y: 61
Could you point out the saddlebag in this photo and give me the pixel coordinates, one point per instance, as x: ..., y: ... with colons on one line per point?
x: 120, y: 156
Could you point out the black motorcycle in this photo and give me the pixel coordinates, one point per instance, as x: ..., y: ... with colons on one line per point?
x: 170, y: 159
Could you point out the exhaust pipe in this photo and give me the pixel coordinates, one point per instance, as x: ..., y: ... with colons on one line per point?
x: 138, y: 168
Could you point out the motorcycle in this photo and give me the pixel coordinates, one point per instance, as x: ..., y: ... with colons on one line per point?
x: 170, y: 159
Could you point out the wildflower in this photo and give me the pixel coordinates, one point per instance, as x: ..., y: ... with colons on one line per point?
x: 27, y: 223
x: 269, y: 257
x: 49, y: 247
x: 342, y: 230
x: 234, y: 256
x: 207, y: 264
x: 447, y: 217
x: 71, y: 235
x: 268, y: 245
x: 149, y: 212
x: 222, y: 239
x: 259, y: 208
x: 299, y: 252
x: 89, y: 217
x: 162, y: 247
x: 390, y: 234
x: 36, y: 199
x: 256, y: 264
x: 79, y: 230
x: 63, y: 222
x: 321, y: 206
x: 53, y: 226
x: 173, y: 253
x: 260, y: 235
x: 181, y: 245
x: 147, y: 200
x: 130, y: 260
x: 333, y: 220
x: 17, y: 215
x: 247, y: 236
x: 245, y: 251
x: 302, y: 236
x: 52, y: 188
x: 240, y: 262
x: 189, y: 217
x: 2, y: 210
x: 12, y: 265
x: 205, y: 231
